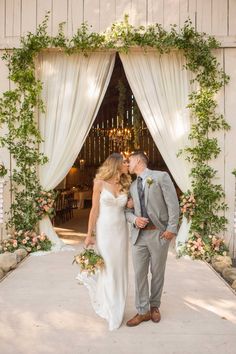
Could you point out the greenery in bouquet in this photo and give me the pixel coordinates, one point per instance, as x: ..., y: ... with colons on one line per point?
x: 45, y: 203
x: 89, y: 261
x: 3, y: 170
x: 204, y: 248
x: 187, y: 205
x: 29, y: 240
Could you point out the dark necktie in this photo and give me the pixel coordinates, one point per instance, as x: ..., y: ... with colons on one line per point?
x: 141, y: 197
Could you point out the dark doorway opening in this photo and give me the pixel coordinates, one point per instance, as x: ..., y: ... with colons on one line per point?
x: 98, y: 145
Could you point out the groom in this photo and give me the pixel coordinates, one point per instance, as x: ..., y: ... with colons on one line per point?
x: 154, y: 220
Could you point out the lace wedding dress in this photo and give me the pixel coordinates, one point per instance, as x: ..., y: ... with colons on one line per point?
x: 108, y: 288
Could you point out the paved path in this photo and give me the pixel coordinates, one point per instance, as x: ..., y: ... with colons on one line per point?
x: 44, y: 310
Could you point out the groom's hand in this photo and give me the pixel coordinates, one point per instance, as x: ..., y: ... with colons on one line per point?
x: 167, y: 235
x: 141, y: 222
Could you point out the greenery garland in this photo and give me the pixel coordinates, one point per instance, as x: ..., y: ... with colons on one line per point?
x: 18, y: 107
x: 3, y: 170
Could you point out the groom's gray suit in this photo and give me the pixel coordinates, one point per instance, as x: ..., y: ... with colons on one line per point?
x: 162, y: 207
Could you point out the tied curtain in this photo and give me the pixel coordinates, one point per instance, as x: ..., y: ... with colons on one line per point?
x: 161, y: 86
x: 73, y: 89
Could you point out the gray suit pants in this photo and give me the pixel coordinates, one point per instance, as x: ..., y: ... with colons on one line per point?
x: 149, y: 249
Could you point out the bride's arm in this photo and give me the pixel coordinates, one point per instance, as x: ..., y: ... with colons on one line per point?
x: 93, y: 212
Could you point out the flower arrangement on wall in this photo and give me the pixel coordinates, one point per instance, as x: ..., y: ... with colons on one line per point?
x: 29, y: 240
x: 206, y: 249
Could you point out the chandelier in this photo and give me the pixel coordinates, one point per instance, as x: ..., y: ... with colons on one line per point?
x: 120, y: 138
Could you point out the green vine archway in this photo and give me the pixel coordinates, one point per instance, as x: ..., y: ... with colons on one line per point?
x: 18, y: 107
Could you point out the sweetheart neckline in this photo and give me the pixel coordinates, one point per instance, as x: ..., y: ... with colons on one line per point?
x: 112, y: 193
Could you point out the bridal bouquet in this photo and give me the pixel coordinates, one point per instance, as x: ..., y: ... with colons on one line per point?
x: 89, y: 261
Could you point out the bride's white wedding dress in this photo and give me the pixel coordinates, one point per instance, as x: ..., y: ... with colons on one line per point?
x: 108, y: 288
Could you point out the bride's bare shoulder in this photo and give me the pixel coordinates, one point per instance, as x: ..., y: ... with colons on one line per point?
x: 97, y: 184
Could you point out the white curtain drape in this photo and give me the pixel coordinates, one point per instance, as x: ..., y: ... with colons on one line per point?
x: 73, y: 89
x: 161, y: 86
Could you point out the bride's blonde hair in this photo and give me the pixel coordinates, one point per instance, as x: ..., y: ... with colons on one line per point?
x: 111, y: 168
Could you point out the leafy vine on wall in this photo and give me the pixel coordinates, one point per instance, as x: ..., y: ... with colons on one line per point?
x: 18, y: 107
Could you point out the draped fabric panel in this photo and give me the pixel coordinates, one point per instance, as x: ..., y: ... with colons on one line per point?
x: 161, y: 86
x: 73, y: 89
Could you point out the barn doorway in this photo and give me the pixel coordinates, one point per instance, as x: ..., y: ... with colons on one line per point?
x: 75, y: 191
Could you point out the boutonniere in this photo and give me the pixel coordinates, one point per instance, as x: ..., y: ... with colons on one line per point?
x: 149, y: 181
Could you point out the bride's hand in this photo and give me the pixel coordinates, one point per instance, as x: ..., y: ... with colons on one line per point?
x: 130, y: 203
x: 90, y: 240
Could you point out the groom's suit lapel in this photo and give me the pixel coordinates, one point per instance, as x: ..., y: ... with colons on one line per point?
x: 136, y: 195
x: 147, y: 188
x: 146, y: 191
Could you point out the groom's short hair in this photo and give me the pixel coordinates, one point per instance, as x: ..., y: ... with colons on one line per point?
x: 142, y: 155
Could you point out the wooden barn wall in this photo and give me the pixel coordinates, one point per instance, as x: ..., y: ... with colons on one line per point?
x: 216, y: 17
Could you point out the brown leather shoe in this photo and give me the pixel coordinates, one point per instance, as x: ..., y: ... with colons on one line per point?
x: 155, y: 314
x: 137, y: 319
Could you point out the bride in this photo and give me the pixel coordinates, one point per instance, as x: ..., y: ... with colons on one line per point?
x: 108, y: 288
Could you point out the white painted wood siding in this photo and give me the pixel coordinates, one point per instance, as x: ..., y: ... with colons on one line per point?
x: 216, y: 17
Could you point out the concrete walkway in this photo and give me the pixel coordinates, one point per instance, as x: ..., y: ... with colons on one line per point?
x: 44, y: 310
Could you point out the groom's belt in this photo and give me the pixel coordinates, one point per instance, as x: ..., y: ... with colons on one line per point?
x: 150, y: 226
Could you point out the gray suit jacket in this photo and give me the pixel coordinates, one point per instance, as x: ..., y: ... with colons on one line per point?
x: 161, y: 203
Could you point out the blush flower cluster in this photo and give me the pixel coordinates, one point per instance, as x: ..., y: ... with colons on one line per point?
x: 29, y: 240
